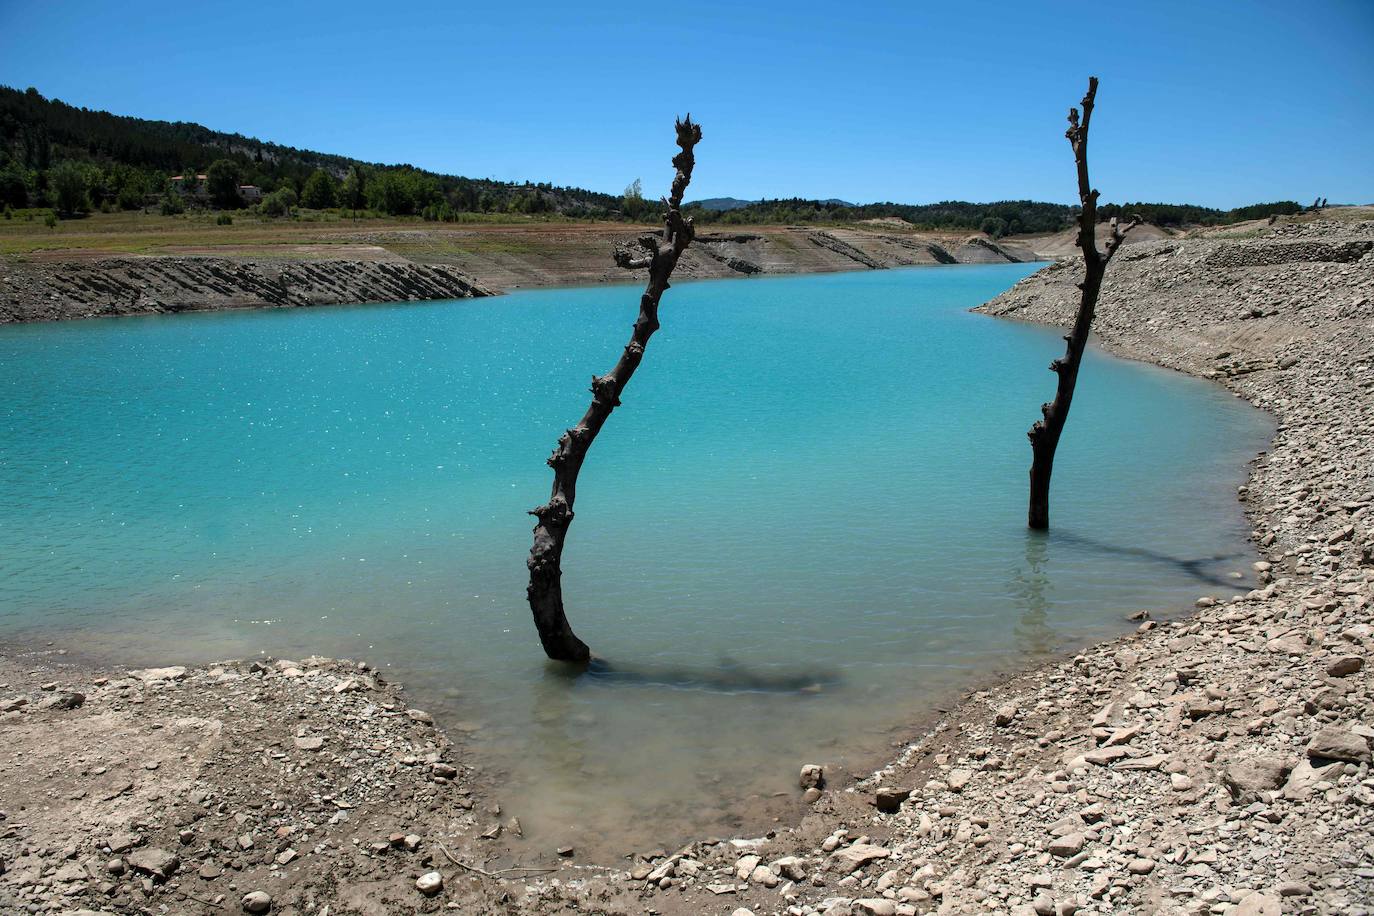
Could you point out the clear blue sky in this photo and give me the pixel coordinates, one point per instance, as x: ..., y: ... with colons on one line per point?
x: 1219, y: 103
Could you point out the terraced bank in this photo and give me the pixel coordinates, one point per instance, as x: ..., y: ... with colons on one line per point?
x: 48, y: 290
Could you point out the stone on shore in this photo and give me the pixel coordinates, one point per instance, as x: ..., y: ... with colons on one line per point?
x: 888, y: 799
x: 256, y: 902
x: 153, y: 861
x: 159, y: 675
x: 1250, y: 775
x: 1345, y: 666
x: 852, y: 858
x: 1259, y: 903
x: 1337, y: 743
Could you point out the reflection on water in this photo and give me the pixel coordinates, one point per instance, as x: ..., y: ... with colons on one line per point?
x: 776, y: 566
x: 1030, y: 588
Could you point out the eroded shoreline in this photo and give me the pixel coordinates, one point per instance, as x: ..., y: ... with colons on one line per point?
x: 438, y: 264
x: 1129, y: 750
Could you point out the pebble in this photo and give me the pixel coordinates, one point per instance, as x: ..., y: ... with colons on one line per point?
x: 430, y: 883
x: 256, y: 902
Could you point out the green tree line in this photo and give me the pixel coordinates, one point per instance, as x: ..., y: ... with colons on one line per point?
x: 127, y: 163
x: 998, y: 219
x: 75, y: 160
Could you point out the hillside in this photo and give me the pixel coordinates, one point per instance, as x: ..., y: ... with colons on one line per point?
x: 76, y: 161
x: 126, y: 161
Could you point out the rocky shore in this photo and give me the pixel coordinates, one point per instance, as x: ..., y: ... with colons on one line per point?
x: 251, y: 786
x: 1215, y: 764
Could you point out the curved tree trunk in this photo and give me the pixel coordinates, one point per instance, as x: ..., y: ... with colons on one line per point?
x: 545, y: 591
x: 1044, y: 435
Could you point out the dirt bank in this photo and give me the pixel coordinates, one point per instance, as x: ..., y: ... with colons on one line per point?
x: 88, y: 288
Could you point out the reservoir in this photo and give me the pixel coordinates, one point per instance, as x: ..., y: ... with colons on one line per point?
x: 803, y: 531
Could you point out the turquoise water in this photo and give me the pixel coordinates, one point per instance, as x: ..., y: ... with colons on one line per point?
x: 814, y: 482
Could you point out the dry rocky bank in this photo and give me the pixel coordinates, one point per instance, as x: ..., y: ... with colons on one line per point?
x: 1218, y: 764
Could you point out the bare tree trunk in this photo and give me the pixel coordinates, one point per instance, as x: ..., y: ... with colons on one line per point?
x: 545, y: 591
x: 1044, y: 435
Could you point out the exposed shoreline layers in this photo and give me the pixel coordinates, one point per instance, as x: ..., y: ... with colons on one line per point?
x: 106, y: 287
x: 411, y: 265
x: 1180, y: 769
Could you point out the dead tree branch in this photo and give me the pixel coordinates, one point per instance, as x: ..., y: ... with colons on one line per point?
x: 545, y: 591
x: 1044, y: 435
x: 526, y: 869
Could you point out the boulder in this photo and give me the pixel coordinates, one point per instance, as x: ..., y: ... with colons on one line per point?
x: 1305, y: 776
x: 63, y: 699
x: 1068, y: 845
x: 791, y: 868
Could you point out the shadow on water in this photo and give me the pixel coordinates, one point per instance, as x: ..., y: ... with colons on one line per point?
x: 727, y: 677
x: 1196, y: 568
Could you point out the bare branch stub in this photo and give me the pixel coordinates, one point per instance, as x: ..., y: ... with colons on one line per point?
x: 1044, y: 435
x: 545, y: 590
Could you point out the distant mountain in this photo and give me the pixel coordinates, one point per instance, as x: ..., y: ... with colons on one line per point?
x: 723, y: 204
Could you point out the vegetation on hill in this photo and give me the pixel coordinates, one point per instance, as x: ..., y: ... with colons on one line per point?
x: 128, y: 163
x: 1008, y: 217
x: 75, y: 160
